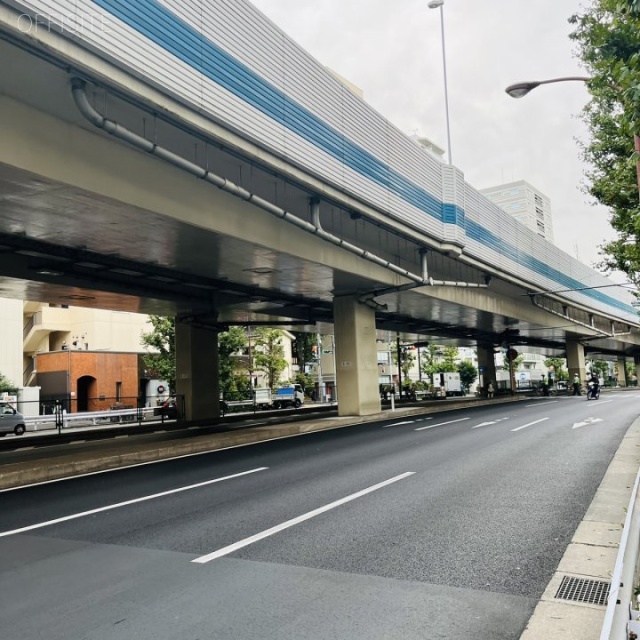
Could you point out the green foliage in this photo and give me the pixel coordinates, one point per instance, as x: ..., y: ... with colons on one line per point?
x: 516, y: 363
x: 449, y: 356
x: 162, y: 338
x: 237, y: 387
x: 468, y: 374
x: 558, y: 365
x: 269, y: 354
x: 436, y: 358
x: 303, y: 343
x: 307, y: 382
x: 230, y: 343
x: 429, y: 360
x: 600, y: 368
x: 608, y: 37
x: 6, y: 386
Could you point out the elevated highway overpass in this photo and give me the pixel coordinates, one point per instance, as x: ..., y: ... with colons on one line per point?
x: 160, y: 159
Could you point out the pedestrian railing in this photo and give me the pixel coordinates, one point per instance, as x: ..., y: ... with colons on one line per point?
x: 621, y: 619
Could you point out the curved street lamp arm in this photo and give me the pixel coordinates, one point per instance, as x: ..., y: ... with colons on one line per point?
x: 520, y: 89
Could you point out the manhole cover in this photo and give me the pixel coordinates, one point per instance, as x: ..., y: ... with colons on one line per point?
x: 581, y: 590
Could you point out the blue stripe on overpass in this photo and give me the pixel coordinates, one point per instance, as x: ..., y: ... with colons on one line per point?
x: 164, y: 28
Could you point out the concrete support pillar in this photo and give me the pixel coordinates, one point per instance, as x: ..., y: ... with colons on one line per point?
x: 575, y: 361
x: 486, y: 367
x: 622, y: 371
x: 197, y: 371
x: 356, y: 357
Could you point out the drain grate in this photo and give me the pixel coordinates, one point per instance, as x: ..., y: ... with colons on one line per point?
x: 581, y: 590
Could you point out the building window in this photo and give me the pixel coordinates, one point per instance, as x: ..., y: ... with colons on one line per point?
x: 118, y: 391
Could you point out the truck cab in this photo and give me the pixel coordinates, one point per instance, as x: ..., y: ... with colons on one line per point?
x: 287, y: 396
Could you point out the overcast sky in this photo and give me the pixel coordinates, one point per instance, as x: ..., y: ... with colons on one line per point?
x: 393, y: 53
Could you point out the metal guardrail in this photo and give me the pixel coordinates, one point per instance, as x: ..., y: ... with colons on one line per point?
x: 91, y: 418
x: 618, y: 623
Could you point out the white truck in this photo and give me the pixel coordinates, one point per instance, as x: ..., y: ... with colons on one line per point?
x: 446, y: 384
x: 291, y: 395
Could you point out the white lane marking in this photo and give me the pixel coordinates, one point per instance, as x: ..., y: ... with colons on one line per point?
x: 602, y: 401
x: 431, y: 426
x: 397, y: 424
x: 83, y: 514
x: 77, y: 442
x: 294, y: 521
x: 486, y: 424
x: 524, y: 426
x: 24, y: 449
x: 178, y: 457
x: 585, y: 422
x: 545, y: 402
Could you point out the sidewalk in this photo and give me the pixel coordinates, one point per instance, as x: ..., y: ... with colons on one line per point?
x: 591, y: 555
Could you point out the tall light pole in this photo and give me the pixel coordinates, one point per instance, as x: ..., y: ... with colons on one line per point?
x: 439, y: 4
x: 521, y: 89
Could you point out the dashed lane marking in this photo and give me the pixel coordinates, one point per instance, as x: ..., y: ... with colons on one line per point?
x: 294, y: 521
x: 529, y: 424
x: 109, y: 507
x: 397, y: 424
x: 432, y: 426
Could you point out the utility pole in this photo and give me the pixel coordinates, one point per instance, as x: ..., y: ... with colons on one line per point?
x: 321, y: 394
x: 335, y: 372
x: 399, y: 365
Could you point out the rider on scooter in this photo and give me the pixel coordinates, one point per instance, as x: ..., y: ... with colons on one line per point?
x: 593, y: 384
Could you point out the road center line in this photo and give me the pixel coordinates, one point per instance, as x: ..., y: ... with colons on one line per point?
x: 431, y: 426
x: 542, y: 403
x: 83, y: 514
x: 524, y: 426
x: 294, y: 521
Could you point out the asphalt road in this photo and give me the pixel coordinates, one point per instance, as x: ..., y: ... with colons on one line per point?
x: 445, y: 527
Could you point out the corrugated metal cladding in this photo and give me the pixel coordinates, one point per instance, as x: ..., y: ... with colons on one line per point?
x: 227, y: 60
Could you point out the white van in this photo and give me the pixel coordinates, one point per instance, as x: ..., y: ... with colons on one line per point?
x: 10, y: 420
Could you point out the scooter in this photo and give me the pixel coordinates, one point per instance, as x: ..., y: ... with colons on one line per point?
x: 593, y: 391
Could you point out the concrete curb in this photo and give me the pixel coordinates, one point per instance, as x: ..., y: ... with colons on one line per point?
x: 53, y: 467
x: 591, y: 553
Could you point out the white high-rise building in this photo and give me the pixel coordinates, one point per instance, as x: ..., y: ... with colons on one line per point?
x: 526, y: 204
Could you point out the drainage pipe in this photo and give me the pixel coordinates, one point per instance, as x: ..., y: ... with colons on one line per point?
x: 535, y: 303
x: 111, y: 127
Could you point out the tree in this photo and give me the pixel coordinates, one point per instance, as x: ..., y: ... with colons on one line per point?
x: 162, y: 339
x: 468, y: 374
x: 302, y: 348
x: 516, y: 363
x: 608, y: 38
x: 449, y: 357
x: 230, y: 343
x: 558, y: 365
x: 429, y: 360
x: 6, y: 386
x: 269, y: 354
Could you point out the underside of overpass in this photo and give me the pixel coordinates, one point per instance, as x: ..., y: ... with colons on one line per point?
x: 89, y: 220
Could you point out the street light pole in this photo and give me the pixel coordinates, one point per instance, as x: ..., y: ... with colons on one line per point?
x: 439, y: 4
x: 521, y: 89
